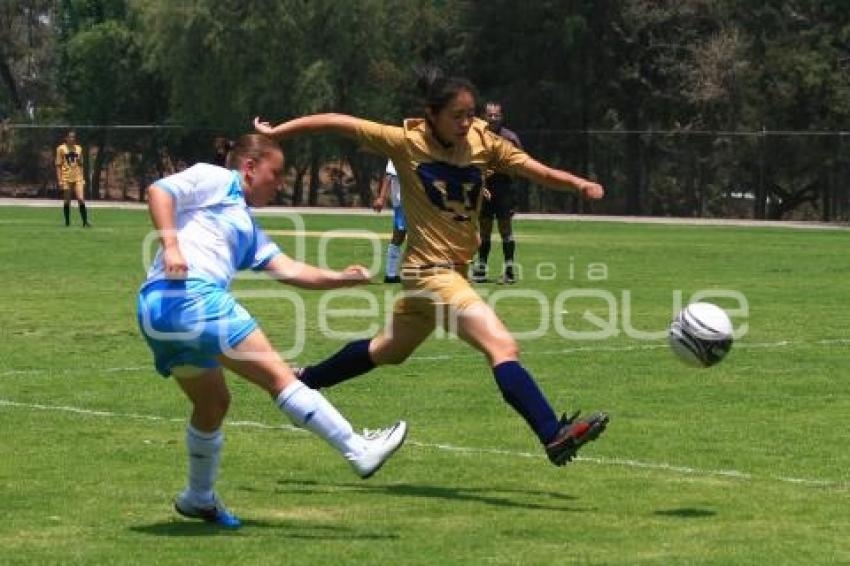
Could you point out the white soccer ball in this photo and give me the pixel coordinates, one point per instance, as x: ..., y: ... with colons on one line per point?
x: 701, y: 334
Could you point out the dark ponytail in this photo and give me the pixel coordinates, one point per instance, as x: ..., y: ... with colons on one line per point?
x: 439, y: 89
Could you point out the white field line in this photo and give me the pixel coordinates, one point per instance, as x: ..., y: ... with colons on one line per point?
x: 131, y: 368
x: 622, y: 462
x: 336, y: 211
x: 527, y: 354
x: 645, y: 347
x: 349, y: 234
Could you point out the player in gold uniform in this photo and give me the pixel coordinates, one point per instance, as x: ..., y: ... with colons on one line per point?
x: 70, y: 177
x: 441, y: 161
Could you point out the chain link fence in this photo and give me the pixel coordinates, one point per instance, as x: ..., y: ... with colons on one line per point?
x: 775, y: 175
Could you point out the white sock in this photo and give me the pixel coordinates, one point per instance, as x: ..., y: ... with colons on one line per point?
x: 309, y: 409
x: 393, y: 257
x: 204, y: 450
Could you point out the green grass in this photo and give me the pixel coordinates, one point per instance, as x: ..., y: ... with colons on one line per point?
x: 744, y: 463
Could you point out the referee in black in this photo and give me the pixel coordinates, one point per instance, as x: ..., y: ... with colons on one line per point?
x: 500, y: 205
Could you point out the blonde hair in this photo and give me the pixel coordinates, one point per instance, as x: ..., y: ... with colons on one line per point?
x: 251, y: 146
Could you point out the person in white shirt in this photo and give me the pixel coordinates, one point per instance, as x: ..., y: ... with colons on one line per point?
x: 392, y: 186
x: 195, y: 327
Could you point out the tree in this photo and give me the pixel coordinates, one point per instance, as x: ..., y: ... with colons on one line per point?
x: 104, y: 79
x: 800, y: 83
x: 27, y: 56
x: 539, y: 68
x: 671, y: 88
x: 294, y: 58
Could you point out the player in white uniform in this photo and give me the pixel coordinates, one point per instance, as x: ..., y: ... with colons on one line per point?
x: 391, y: 184
x: 194, y: 326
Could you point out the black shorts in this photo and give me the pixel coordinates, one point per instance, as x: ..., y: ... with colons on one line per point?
x: 499, y: 205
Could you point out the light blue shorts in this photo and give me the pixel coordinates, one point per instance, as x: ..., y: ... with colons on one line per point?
x: 190, y: 322
x: 399, y: 222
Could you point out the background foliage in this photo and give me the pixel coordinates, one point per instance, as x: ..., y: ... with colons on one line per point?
x: 680, y: 108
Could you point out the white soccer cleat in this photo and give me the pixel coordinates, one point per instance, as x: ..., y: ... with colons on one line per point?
x: 379, y: 446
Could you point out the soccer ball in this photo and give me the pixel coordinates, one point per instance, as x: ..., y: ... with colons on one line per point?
x: 701, y: 334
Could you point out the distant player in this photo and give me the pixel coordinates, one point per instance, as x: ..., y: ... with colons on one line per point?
x: 441, y: 160
x: 195, y: 327
x: 70, y: 177
x: 500, y: 205
x: 391, y: 185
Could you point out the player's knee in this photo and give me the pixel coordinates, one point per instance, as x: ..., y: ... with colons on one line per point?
x: 506, y: 349
x: 393, y: 358
x: 384, y: 350
x: 210, y: 413
x: 220, y: 406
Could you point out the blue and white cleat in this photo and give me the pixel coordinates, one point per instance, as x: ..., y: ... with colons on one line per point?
x: 212, y: 512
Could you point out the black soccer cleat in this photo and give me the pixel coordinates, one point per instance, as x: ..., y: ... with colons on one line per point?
x: 508, y: 278
x: 392, y: 279
x: 479, y: 273
x: 573, y: 434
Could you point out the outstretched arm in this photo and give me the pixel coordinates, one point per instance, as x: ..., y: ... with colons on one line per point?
x: 376, y: 137
x: 287, y: 270
x: 315, y: 123
x: 559, y: 179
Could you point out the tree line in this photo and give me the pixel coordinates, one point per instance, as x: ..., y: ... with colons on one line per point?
x: 689, y: 107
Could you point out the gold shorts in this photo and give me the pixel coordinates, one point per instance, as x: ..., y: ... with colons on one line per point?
x: 431, y: 295
x: 67, y: 185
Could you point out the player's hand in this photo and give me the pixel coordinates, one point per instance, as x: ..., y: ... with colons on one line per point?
x: 378, y: 205
x: 263, y: 127
x: 487, y: 194
x: 176, y: 266
x: 355, y: 275
x: 591, y: 190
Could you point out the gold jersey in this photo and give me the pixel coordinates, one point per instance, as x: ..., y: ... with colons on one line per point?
x: 441, y: 186
x: 69, y: 161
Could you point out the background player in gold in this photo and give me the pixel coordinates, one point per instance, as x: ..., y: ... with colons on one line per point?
x: 70, y: 177
x: 441, y: 160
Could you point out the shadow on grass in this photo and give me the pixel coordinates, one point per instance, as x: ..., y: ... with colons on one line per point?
x: 686, y: 513
x: 488, y: 496
x: 288, y: 529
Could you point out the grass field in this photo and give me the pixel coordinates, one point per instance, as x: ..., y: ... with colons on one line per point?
x: 743, y: 463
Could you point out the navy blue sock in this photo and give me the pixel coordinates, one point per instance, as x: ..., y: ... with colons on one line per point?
x: 521, y: 393
x: 351, y: 361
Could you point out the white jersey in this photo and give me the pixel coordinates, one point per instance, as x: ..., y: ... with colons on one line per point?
x: 216, y: 232
x: 395, y: 185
